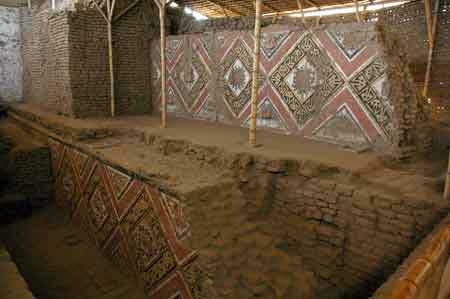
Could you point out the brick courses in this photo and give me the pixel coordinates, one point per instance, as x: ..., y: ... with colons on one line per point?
x: 68, y: 63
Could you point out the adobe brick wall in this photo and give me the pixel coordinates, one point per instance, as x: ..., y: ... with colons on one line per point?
x: 131, y: 55
x: 68, y: 58
x: 89, y: 71
x: 26, y: 164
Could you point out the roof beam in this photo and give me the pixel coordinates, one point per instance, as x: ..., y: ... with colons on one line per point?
x: 312, y: 3
x: 269, y: 6
x: 223, y: 6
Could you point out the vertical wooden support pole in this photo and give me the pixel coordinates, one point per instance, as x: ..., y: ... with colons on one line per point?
x: 429, y: 17
x: 108, y: 19
x: 358, y: 15
x: 162, y: 16
x: 432, y: 40
x: 111, y: 69
x: 302, y: 12
x: 447, y: 181
x: 255, y: 75
x: 29, y: 4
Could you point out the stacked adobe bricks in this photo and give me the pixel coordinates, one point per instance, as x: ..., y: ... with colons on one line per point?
x: 68, y: 56
x: 89, y: 64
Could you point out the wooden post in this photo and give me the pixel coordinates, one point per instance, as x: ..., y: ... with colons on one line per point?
x: 429, y: 17
x: 29, y: 4
x: 255, y: 75
x: 111, y: 70
x: 358, y: 16
x: 162, y: 15
x: 110, y: 19
x: 431, y: 50
x: 300, y: 7
x: 447, y: 181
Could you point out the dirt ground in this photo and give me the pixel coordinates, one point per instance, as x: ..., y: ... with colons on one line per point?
x: 59, y: 262
x: 420, y: 178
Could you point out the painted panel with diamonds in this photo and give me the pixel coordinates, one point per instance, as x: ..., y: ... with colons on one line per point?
x: 142, y: 230
x: 328, y: 84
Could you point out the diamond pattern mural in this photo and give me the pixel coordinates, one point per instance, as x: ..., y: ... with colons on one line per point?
x: 302, y: 74
x: 237, y: 66
x: 142, y: 230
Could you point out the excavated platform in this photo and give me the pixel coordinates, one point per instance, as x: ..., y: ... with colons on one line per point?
x: 124, y: 140
x: 242, y: 222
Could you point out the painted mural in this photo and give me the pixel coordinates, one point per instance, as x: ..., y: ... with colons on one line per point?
x: 142, y: 230
x: 328, y: 84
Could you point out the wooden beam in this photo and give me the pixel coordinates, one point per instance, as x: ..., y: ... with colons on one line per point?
x: 100, y: 11
x: 429, y: 17
x: 223, y: 6
x: 431, y: 50
x: 255, y: 75
x: 270, y: 7
x: 127, y: 9
x: 29, y: 4
x: 312, y: 3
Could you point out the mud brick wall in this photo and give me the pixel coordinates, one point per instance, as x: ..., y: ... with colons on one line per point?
x: 39, y: 55
x: 352, y: 237
x: 46, y: 48
x: 343, y: 83
x: 59, y: 94
x: 89, y: 71
x: 68, y: 55
x: 26, y: 166
x: 132, y: 62
x: 31, y: 172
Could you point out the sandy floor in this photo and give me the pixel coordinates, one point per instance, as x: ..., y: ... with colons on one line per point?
x: 58, y: 262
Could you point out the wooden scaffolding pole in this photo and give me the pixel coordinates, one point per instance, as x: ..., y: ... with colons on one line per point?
x: 162, y: 16
x: 255, y: 75
x: 110, y: 4
x: 429, y: 17
x: 358, y: 15
x: 302, y: 12
x: 432, y: 41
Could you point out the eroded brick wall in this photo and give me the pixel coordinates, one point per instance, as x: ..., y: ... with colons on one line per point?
x: 132, y: 61
x: 67, y: 52
x: 89, y: 71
